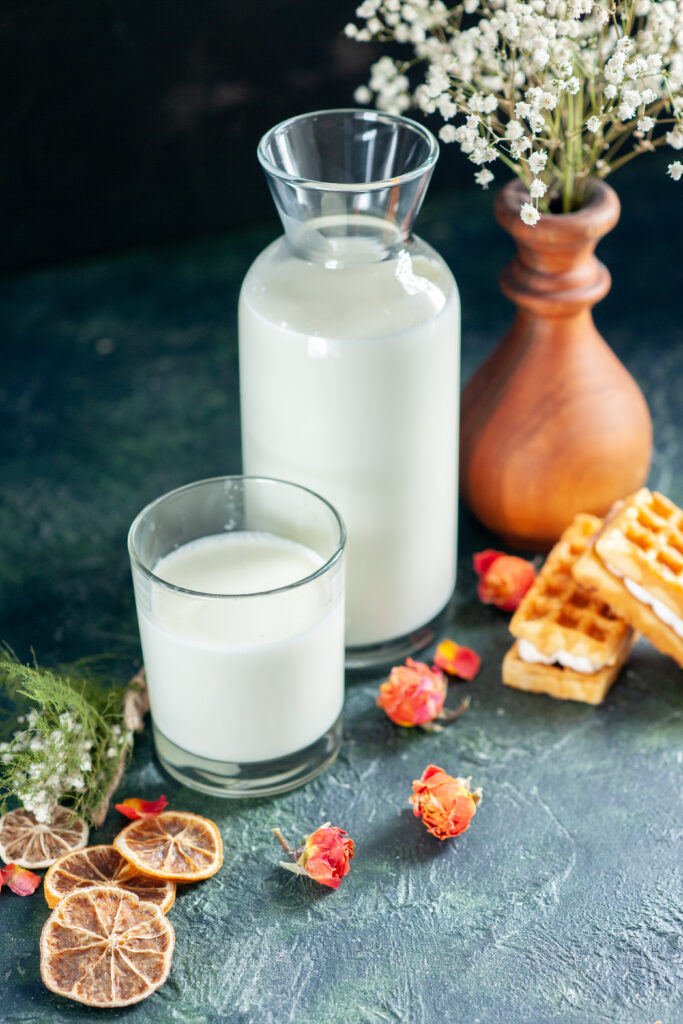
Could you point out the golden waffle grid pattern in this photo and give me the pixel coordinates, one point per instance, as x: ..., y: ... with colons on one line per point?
x: 654, y: 525
x: 558, y: 613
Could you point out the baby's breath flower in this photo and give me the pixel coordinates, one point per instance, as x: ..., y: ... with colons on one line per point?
x: 537, y: 161
x: 446, y: 107
x: 538, y: 74
x: 518, y: 147
x: 514, y: 130
x: 577, y: 8
x: 484, y: 177
x: 537, y: 189
x: 529, y: 214
x: 675, y: 170
x: 362, y: 95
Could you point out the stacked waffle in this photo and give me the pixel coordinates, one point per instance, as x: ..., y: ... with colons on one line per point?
x: 601, y: 582
x: 636, y: 565
x: 569, y: 643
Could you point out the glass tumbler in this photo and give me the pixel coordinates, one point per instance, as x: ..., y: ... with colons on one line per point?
x: 239, y: 588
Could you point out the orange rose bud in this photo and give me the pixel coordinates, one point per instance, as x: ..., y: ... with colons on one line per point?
x: 20, y: 881
x: 135, y: 808
x: 458, y: 661
x: 413, y: 694
x: 446, y: 805
x: 324, y: 856
x: 503, y: 579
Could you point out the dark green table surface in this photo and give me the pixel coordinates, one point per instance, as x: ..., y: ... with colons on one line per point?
x: 563, y: 901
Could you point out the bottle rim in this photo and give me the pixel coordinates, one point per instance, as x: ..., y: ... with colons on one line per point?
x: 370, y: 116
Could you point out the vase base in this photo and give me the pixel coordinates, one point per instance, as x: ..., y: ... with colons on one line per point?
x: 537, y: 545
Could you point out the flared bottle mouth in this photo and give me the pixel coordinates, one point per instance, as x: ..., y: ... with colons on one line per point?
x: 348, y: 150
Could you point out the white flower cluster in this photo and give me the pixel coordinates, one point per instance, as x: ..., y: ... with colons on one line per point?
x: 553, y: 88
x: 60, y: 762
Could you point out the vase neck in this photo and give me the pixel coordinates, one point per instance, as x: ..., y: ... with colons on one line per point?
x: 555, y: 272
x: 348, y: 184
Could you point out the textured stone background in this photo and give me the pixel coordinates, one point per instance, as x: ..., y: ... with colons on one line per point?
x: 563, y: 901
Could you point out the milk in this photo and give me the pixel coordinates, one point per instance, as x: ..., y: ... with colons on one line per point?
x: 349, y: 375
x: 242, y: 678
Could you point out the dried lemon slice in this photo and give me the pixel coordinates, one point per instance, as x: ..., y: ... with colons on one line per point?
x: 24, y: 841
x: 175, y: 845
x: 103, y: 865
x: 105, y: 947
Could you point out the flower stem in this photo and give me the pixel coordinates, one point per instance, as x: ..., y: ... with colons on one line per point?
x: 281, y: 839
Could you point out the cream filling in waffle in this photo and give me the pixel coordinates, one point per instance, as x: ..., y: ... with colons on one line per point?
x: 576, y: 662
x: 661, y: 610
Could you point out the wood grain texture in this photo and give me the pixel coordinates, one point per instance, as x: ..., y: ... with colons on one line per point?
x: 552, y: 423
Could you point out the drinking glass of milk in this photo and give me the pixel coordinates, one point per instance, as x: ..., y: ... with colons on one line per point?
x: 239, y: 587
x: 349, y: 364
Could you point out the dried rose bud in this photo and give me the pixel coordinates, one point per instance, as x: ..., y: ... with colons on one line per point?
x: 136, y: 808
x: 458, y: 661
x: 413, y: 694
x: 324, y: 855
x: 446, y: 805
x: 503, y: 579
x: 20, y: 881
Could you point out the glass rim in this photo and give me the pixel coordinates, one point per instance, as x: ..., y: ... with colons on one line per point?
x: 376, y: 116
x: 235, y: 477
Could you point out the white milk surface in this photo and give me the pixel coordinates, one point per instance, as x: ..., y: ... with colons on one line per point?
x: 243, y: 679
x: 349, y: 385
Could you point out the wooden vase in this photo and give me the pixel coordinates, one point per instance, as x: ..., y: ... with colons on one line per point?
x: 552, y: 423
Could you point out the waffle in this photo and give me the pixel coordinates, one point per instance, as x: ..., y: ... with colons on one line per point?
x: 559, y: 682
x: 558, y: 617
x: 641, y: 540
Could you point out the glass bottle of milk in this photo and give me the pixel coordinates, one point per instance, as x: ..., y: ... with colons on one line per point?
x: 349, y: 332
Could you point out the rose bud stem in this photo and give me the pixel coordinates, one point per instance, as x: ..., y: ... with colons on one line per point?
x: 450, y: 716
x: 447, y: 716
x: 293, y: 855
x: 283, y: 842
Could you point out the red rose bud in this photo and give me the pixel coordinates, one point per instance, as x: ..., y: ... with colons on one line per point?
x: 503, y: 579
x: 135, y: 808
x: 446, y: 805
x: 458, y: 661
x: 20, y: 881
x: 413, y: 694
x: 324, y: 856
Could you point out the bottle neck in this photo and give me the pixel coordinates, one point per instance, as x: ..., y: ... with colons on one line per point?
x: 343, y: 240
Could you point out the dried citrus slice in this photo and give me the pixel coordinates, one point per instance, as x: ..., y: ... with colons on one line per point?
x: 105, y: 947
x: 103, y: 865
x: 24, y: 841
x: 175, y: 845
